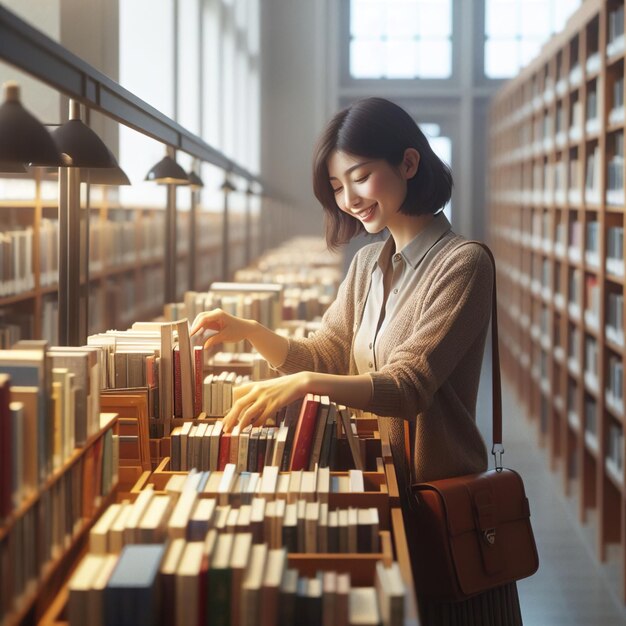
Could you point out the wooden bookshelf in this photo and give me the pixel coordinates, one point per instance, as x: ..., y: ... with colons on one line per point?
x: 380, y: 491
x: 51, y: 572
x: 126, y: 259
x: 557, y: 211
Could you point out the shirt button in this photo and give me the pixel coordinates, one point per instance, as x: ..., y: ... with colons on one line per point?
x: 397, y: 257
x: 395, y: 291
x: 371, y: 346
x: 370, y: 364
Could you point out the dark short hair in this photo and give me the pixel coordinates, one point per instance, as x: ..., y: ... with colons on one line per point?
x: 377, y: 129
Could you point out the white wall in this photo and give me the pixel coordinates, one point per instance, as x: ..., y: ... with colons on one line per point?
x: 294, y: 76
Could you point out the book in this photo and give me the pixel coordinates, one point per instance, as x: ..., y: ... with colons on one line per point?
x: 98, y: 586
x: 363, y: 607
x: 198, y: 369
x: 168, y: 571
x: 30, y: 368
x: 220, y: 582
x: 329, y: 596
x: 132, y: 593
x: 6, y: 453
x: 179, y: 518
x: 29, y: 398
x: 251, y: 586
x: 186, y: 368
x: 303, y: 437
x: 287, y: 598
x: 292, y: 413
x: 80, y: 586
x: 239, y: 561
x: 391, y: 592
x: 353, y: 441
x: 201, y: 519
x: 188, y: 593
x: 13, y: 481
x: 224, y: 451
x: 272, y: 579
x: 99, y: 533
x: 323, y: 413
x: 118, y: 528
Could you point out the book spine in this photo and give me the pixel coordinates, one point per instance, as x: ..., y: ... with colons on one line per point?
x: 198, y: 362
x: 304, y: 438
x: 178, y: 391
x: 224, y: 451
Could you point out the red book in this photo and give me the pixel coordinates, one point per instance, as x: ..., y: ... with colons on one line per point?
x: 224, y: 453
x: 198, y: 372
x: 178, y: 389
x: 303, y: 438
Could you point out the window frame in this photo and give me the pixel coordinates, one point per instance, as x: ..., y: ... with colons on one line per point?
x: 346, y: 80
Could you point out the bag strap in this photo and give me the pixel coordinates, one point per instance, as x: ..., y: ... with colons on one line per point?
x: 497, y: 448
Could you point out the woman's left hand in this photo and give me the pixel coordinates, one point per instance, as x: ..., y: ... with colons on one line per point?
x: 254, y: 403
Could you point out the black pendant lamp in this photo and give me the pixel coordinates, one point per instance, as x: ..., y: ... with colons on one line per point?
x: 227, y: 185
x: 105, y: 175
x: 23, y: 139
x: 81, y: 145
x: 195, y: 182
x: 167, y: 172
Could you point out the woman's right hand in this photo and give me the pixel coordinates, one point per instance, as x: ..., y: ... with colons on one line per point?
x: 217, y: 326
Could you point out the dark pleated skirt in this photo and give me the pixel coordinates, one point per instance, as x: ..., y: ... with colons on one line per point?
x: 496, y: 607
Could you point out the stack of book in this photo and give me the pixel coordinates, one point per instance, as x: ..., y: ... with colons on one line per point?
x: 49, y: 405
x: 303, y: 436
x: 226, y: 579
x: 300, y: 514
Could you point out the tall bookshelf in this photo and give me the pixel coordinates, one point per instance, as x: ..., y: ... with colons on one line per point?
x: 43, y: 536
x: 557, y: 211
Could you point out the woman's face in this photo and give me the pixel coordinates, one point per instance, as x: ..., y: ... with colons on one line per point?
x: 370, y: 190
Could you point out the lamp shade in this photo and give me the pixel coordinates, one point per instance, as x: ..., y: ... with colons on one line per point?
x: 83, y: 147
x: 194, y: 180
x: 228, y: 186
x: 23, y: 139
x: 104, y: 176
x: 168, y: 172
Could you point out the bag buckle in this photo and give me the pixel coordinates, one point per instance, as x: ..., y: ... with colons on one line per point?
x: 490, y: 535
x: 498, y: 450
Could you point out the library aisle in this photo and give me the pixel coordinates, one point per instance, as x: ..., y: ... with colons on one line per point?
x: 571, y: 588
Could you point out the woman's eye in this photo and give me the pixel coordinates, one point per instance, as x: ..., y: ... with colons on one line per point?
x: 362, y: 179
x: 336, y: 190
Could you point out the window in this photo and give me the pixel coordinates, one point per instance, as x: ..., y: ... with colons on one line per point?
x: 515, y: 30
x: 401, y: 39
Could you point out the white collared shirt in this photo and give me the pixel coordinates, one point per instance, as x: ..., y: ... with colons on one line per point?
x: 406, y: 270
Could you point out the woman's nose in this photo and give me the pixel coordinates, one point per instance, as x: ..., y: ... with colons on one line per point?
x: 351, y: 199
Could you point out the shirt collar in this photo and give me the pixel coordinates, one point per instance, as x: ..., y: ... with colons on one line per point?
x: 416, y: 249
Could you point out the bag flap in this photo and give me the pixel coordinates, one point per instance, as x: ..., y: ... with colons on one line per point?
x: 480, y: 501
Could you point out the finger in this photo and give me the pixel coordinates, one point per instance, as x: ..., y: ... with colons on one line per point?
x: 234, y: 414
x: 241, y: 390
x: 250, y: 416
x: 229, y: 420
x: 211, y: 341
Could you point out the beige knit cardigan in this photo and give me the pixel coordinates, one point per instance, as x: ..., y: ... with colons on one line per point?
x: 431, y: 355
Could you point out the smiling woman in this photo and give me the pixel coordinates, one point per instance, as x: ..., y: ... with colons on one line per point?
x: 405, y: 337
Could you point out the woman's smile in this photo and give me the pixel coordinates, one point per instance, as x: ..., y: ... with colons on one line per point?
x: 365, y: 215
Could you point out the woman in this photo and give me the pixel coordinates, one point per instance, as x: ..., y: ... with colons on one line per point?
x: 405, y: 337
